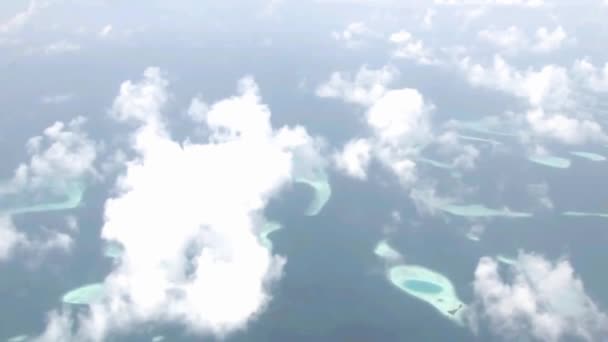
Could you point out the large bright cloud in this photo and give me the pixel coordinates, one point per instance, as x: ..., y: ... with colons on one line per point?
x: 398, y: 121
x: 187, y: 214
x: 365, y: 88
x: 549, y: 93
x: 540, y: 299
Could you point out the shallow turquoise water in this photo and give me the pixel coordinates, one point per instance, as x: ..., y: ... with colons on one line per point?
x: 422, y: 286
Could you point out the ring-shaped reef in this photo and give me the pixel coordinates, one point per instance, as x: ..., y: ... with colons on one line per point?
x: 319, y: 182
x: 431, y: 287
x: 268, y: 228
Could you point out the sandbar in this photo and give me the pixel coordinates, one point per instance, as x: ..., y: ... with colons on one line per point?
x: 84, y: 295
x: 385, y: 251
x: 479, y: 210
x: 589, y: 156
x: 584, y: 214
x: 551, y: 161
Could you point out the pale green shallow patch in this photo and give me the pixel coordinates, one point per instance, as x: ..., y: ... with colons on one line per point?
x: 478, y: 139
x: 267, y: 229
x: 506, y: 260
x: 385, y: 251
x: 113, y: 250
x: 74, y: 193
x: 440, y: 165
x: 18, y: 338
x: 84, y: 295
x: 158, y: 338
x: 551, y: 161
x: 435, y: 163
x: 483, y: 127
x: 584, y: 214
x: 588, y: 155
x: 473, y: 236
x: 479, y: 210
x: 319, y: 182
x: 438, y: 292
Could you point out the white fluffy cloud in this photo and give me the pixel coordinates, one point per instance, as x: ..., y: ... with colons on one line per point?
x: 13, y: 240
x: 593, y: 77
x: 522, y: 3
x: 105, y: 31
x: 62, y: 154
x: 61, y: 47
x: 406, y: 46
x: 510, y: 39
x: 365, y: 88
x: 547, y: 87
x: 547, y: 91
x: 19, y: 20
x: 563, y: 128
x: 57, y: 98
x: 187, y: 214
x: 547, y: 40
x: 354, y: 158
x: 354, y: 34
x: 398, y: 120
x: 513, y: 39
x: 542, y: 300
x: 10, y: 237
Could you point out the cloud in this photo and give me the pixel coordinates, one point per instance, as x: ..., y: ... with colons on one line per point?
x: 354, y: 34
x: 63, y: 153
x: 540, y: 194
x: 10, y: 238
x: 429, y: 15
x: 188, y: 213
x: 591, y: 76
x: 398, y: 121
x: 13, y: 240
x: 547, y: 87
x: 57, y: 99
x: 564, y: 129
x: 17, y: 22
x: 354, y: 158
x: 105, y: 31
x: 408, y: 47
x: 547, y: 41
x: 513, y: 39
x: 519, y: 3
x: 365, y: 88
x: 542, y: 300
x: 61, y: 47
x: 548, y: 93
